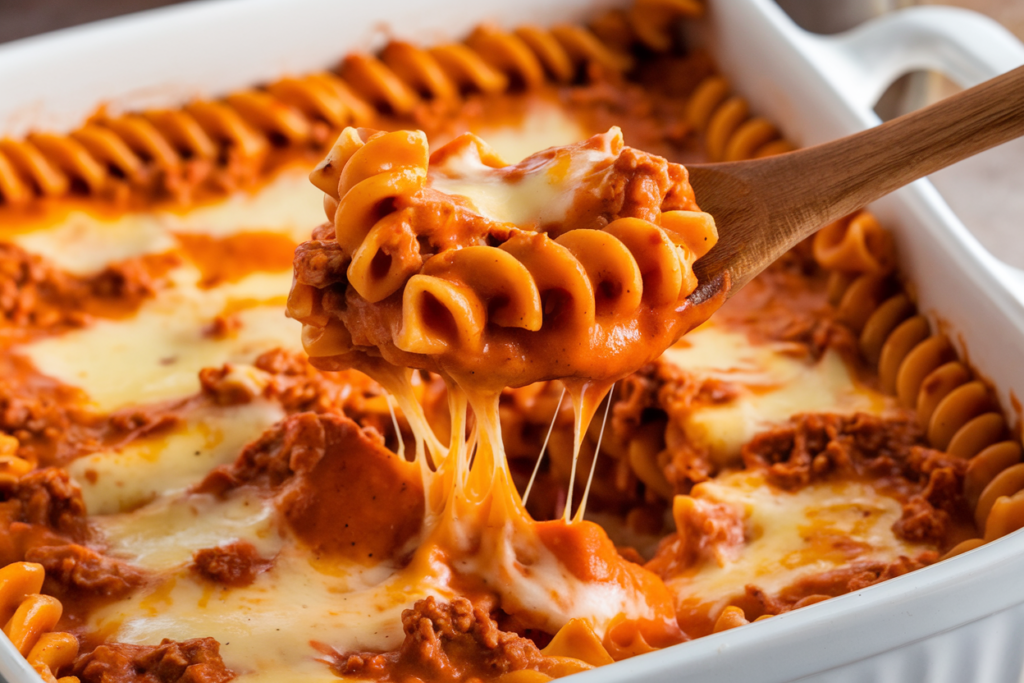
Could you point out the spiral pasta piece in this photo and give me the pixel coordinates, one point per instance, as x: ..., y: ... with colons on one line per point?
x: 109, y: 149
x: 461, y: 252
x: 508, y: 54
x: 29, y: 619
x: 71, y: 157
x: 653, y: 21
x: 225, y: 125
x: 13, y: 188
x: 182, y: 132
x: 419, y: 70
x: 957, y: 411
x: 38, y: 173
x: 273, y: 117
x: 145, y: 140
x: 375, y: 83
x: 730, y: 133
x: 224, y: 143
x: 855, y: 244
x: 12, y: 466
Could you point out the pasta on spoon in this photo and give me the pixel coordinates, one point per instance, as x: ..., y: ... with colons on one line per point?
x: 574, y: 264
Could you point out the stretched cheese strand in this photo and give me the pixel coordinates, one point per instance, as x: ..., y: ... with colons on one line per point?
x: 586, y: 397
x: 476, y: 521
x: 576, y: 263
x: 543, y: 448
x: 582, y: 510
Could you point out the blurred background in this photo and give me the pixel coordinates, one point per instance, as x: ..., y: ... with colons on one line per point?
x: 984, y: 191
x: 23, y: 18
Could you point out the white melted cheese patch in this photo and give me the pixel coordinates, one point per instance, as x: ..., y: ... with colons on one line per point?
x: 266, y: 630
x: 84, y: 244
x: 156, y: 354
x: 534, y: 581
x: 542, y: 195
x: 545, y: 125
x: 164, y: 534
x: 288, y: 204
x: 774, y: 386
x: 114, y: 481
x: 790, y: 535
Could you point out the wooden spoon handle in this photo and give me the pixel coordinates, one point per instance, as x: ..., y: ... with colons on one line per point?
x: 861, y: 168
x: 766, y: 206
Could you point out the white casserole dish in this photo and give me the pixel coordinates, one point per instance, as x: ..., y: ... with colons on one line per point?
x: 960, y: 620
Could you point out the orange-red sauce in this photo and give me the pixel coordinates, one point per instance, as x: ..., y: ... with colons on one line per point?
x: 360, y: 502
x: 585, y: 550
x: 229, y: 259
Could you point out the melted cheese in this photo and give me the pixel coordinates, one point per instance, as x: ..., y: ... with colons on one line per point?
x: 113, y: 481
x: 156, y: 354
x: 774, y: 385
x: 476, y: 517
x: 542, y: 195
x: 266, y: 630
x: 531, y: 579
x: 287, y: 204
x: 139, y: 504
x: 83, y: 243
x: 137, y: 496
x: 163, y: 535
x: 790, y: 535
x: 545, y: 124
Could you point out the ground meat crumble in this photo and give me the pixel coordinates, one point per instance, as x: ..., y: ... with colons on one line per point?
x: 450, y: 641
x: 289, y: 379
x: 235, y: 564
x: 35, y: 294
x: 855, y: 576
x: 45, y: 519
x: 191, y: 661
x: 891, y: 451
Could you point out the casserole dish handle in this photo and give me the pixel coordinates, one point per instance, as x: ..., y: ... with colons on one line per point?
x: 965, y: 46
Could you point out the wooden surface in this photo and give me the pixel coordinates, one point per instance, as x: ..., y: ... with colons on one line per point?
x: 23, y: 18
x: 766, y: 206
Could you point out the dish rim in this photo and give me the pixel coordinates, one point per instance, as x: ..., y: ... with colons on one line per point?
x: 910, y: 606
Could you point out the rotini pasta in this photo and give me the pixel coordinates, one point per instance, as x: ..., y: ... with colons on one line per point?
x: 411, y: 517
x: 856, y: 244
x: 518, y: 262
x: 224, y: 143
x: 730, y: 134
x: 460, y: 254
x: 29, y: 619
x: 957, y: 411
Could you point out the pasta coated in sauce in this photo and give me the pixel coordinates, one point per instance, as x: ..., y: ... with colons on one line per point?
x: 667, y: 550
x: 588, y: 249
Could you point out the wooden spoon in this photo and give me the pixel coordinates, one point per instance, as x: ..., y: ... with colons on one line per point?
x: 766, y: 206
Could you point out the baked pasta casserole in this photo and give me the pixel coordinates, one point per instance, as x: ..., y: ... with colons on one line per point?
x: 479, y: 424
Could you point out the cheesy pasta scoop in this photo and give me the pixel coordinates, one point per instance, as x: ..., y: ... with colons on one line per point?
x: 573, y: 263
